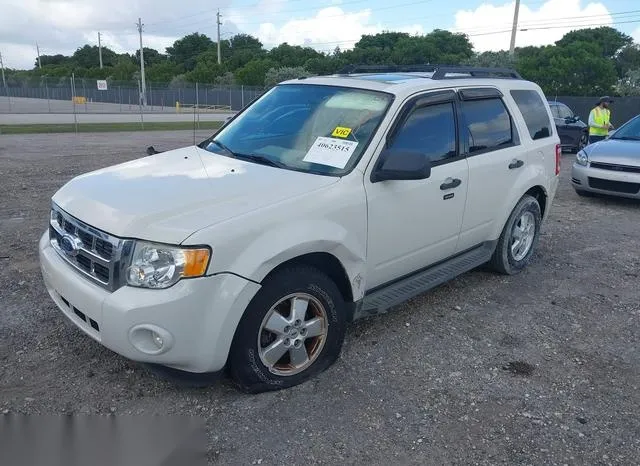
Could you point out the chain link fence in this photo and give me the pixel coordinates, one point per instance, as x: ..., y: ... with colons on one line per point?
x: 67, y: 95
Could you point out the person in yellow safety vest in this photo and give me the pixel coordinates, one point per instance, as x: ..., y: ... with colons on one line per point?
x: 600, y: 120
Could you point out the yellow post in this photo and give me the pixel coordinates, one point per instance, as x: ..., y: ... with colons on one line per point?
x: 177, y: 107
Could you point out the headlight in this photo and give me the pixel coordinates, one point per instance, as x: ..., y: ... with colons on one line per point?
x: 159, y: 266
x: 582, y: 158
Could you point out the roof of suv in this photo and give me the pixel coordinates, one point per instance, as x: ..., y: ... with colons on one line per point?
x: 407, y: 83
x: 414, y: 78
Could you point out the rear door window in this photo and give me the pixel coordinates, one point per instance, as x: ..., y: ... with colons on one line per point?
x: 535, y: 113
x: 488, y: 124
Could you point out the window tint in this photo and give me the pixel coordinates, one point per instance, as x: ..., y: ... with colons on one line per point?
x: 430, y: 130
x: 535, y: 114
x: 488, y: 125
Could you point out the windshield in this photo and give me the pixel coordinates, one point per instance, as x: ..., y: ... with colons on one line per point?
x: 629, y: 131
x: 311, y: 128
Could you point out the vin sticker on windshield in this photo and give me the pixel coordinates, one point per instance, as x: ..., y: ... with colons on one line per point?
x: 331, y: 152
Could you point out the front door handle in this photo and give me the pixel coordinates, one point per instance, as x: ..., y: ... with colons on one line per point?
x: 515, y: 164
x: 450, y: 183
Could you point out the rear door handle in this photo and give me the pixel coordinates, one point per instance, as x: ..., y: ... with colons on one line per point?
x: 450, y: 183
x: 515, y: 164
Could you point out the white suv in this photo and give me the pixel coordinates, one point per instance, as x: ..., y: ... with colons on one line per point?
x: 326, y: 200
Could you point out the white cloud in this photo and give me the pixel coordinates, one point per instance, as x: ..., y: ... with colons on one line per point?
x: 636, y: 35
x: 330, y: 27
x: 562, y: 15
x: 61, y: 26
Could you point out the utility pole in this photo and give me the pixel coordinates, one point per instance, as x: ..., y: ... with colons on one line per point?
x: 38, y: 50
x: 4, y: 82
x: 143, y: 91
x: 100, y: 50
x: 219, y: 23
x: 512, y: 48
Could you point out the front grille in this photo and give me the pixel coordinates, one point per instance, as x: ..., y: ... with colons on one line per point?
x: 97, y: 255
x: 615, y: 167
x: 614, y: 186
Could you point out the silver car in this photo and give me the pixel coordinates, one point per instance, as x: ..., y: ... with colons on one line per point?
x: 611, y: 166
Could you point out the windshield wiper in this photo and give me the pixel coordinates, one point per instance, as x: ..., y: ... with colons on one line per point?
x: 257, y: 158
x: 223, y: 147
x: 627, y: 138
x: 261, y: 159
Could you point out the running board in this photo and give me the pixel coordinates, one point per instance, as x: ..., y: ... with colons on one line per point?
x: 380, y: 300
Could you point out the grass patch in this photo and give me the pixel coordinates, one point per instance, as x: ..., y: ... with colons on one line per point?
x: 106, y: 127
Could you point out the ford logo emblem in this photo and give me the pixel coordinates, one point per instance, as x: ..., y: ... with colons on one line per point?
x: 70, y: 245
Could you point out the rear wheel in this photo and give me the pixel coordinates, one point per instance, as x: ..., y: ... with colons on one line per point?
x: 292, y: 330
x: 519, y: 237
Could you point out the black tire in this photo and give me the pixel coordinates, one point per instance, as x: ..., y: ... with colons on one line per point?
x: 583, y: 141
x: 503, y: 260
x: 245, y: 364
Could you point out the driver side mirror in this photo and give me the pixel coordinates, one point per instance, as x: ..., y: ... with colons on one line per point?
x: 395, y: 164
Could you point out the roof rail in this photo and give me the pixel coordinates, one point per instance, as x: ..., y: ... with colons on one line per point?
x: 439, y: 71
x: 352, y: 69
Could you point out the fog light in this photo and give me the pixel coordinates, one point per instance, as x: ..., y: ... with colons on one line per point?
x: 157, y: 339
x: 150, y: 339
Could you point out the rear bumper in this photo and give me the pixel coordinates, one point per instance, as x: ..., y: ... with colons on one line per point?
x: 609, y: 182
x: 195, y: 319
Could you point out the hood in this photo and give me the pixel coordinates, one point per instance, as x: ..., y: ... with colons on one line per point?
x: 615, y: 151
x: 169, y: 196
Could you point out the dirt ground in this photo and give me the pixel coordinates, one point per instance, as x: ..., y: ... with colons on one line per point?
x: 539, y: 368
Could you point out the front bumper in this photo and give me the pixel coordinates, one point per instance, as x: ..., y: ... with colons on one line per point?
x: 195, y: 319
x: 610, y: 182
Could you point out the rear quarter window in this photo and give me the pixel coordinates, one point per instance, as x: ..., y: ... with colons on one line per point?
x: 534, y: 113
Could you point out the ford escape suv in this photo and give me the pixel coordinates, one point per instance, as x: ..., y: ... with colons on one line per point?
x: 326, y: 200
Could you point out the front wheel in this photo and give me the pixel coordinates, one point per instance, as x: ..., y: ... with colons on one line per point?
x: 583, y: 142
x: 292, y: 330
x: 519, y: 237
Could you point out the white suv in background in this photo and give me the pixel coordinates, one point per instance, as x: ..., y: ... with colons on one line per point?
x: 326, y: 200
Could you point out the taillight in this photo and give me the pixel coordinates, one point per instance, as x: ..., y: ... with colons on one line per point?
x: 558, y: 158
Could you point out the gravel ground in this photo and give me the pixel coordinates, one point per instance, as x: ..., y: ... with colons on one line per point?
x: 540, y: 368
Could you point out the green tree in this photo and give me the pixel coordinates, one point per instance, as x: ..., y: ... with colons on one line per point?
x: 607, y: 40
x: 151, y: 57
x: 88, y: 56
x: 628, y: 59
x: 253, y: 73
x: 630, y: 84
x: 278, y: 75
x: 207, y: 68
x: 292, y: 56
x: 162, y: 72
x: 501, y: 59
x: 573, y: 69
x: 124, y: 68
x: 53, y: 60
x: 184, y: 52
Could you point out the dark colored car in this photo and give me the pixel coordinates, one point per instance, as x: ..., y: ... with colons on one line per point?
x: 573, y: 132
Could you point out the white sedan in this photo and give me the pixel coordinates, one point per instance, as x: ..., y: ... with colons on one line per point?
x: 611, y: 166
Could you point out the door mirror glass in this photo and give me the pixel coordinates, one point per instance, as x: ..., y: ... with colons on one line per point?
x: 402, y: 164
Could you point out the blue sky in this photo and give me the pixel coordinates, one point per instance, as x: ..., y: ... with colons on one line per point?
x: 60, y: 26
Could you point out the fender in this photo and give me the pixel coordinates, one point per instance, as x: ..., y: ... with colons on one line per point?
x: 287, y: 242
x: 331, y: 220
x: 528, y: 178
